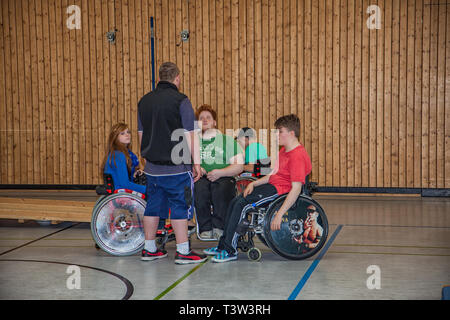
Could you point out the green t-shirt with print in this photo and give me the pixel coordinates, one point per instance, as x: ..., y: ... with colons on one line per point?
x: 215, y: 153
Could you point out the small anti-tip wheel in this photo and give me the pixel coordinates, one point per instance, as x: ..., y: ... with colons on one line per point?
x: 254, y: 254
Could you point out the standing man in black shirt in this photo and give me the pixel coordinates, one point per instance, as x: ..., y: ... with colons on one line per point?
x: 170, y: 176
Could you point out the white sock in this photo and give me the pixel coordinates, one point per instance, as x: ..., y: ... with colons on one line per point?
x: 183, y: 248
x: 150, y: 245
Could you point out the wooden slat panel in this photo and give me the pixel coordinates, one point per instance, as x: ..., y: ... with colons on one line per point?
x: 373, y: 103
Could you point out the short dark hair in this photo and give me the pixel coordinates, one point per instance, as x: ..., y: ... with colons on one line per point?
x: 168, y: 71
x: 290, y: 122
x: 246, y: 132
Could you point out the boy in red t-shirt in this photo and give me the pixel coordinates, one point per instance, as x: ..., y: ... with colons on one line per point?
x: 291, y: 169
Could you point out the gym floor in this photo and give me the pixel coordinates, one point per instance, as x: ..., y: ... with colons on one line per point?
x: 378, y: 248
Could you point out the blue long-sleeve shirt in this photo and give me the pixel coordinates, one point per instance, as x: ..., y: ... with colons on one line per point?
x: 119, y: 172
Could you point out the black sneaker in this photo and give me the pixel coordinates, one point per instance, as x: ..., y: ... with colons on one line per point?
x: 149, y: 256
x: 191, y: 257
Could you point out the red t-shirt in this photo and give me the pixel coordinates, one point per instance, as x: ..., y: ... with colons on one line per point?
x: 293, y: 166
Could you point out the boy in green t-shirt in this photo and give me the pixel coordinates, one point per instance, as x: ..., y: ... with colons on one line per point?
x: 221, y: 159
x: 255, y: 153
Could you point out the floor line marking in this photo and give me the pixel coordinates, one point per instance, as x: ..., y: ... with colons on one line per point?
x: 313, y: 266
x: 48, y: 235
x: 173, y: 285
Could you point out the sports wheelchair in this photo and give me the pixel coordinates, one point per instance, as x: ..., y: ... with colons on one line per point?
x: 117, y: 222
x: 304, y: 228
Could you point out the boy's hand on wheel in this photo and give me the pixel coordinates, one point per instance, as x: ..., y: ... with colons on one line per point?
x: 276, y: 222
x: 248, y: 189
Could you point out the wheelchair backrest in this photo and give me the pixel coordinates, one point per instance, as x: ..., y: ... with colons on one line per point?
x: 107, y: 187
x: 309, y: 187
x: 109, y: 183
x: 261, y: 168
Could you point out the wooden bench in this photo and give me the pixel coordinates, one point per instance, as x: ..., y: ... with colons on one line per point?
x: 45, y: 209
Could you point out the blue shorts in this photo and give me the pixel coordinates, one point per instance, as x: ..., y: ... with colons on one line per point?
x: 172, y: 191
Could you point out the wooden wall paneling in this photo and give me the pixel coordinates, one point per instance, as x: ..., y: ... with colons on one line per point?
x: 320, y: 130
x: 216, y: 25
x: 235, y: 63
x: 139, y: 67
x: 92, y: 115
x: 125, y: 104
x: 311, y: 111
x: 117, y: 114
x: 258, y: 106
x: 227, y: 62
x: 441, y: 78
x: 85, y: 107
x: 190, y: 79
x: 68, y: 167
x: 5, y: 94
x: 199, y: 99
x: 433, y: 96
x: 134, y: 34
x: 418, y: 93
x: 272, y: 68
x: 372, y: 107
x: 102, y: 82
x: 387, y: 25
x: 447, y: 104
x: 147, y: 12
x: 286, y: 39
x: 373, y: 103
x: 425, y: 95
x: 293, y: 61
x: 358, y: 94
x: 329, y: 93
x: 410, y: 94
x: 403, y: 93
x: 380, y: 67
x: 350, y: 94
x: 60, y: 105
x: 336, y: 65
x: 299, y: 72
x: 3, y: 108
x: 24, y: 86
x: 343, y: 107
x: 179, y: 26
x: 278, y: 33
x: 41, y: 100
x: 54, y: 91
x: 250, y: 65
x: 242, y: 53
x: 395, y: 92
x: 15, y: 107
x: 210, y: 54
x: 187, y: 85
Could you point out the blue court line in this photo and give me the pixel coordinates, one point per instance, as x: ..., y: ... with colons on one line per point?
x: 313, y: 266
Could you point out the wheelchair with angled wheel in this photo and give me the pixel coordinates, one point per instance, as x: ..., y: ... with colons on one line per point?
x: 303, y: 232
x: 117, y: 219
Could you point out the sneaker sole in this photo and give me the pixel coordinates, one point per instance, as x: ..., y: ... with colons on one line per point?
x: 190, y: 261
x: 153, y: 258
x: 223, y: 260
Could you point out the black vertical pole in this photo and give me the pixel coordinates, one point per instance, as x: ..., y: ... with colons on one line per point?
x: 152, y: 41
